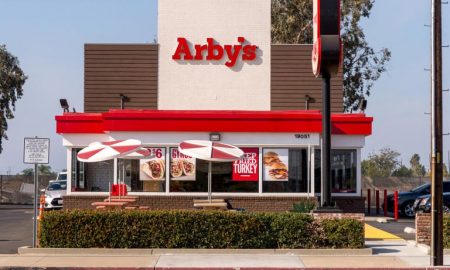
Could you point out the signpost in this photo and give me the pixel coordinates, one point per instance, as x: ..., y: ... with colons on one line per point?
x: 36, y: 151
x: 326, y: 57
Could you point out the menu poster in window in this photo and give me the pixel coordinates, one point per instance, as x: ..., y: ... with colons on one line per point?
x: 246, y: 168
x: 276, y: 164
x: 182, y: 167
x: 153, y: 168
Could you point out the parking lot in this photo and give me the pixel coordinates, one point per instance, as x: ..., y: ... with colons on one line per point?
x: 16, y: 228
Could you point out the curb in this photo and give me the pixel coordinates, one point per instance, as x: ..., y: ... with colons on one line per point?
x: 146, y: 252
x: 228, y: 268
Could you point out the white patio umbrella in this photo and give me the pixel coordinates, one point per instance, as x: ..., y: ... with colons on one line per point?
x: 210, y: 151
x: 101, y: 151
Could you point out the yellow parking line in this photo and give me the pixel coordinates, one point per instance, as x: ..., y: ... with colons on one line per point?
x: 371, y: 232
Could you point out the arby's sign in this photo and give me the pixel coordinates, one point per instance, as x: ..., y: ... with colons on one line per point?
x: 213, y: 51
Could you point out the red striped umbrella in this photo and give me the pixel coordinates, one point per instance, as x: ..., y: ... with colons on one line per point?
x: 211, y: 151
x: 140, y: 153
x: 101, y: 151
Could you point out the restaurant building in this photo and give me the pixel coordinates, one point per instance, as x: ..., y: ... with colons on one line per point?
x: 213, y: 75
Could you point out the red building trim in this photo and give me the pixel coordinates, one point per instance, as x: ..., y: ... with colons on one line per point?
x: 211, y: 121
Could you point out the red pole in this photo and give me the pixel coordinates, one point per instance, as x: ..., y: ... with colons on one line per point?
x: 377, y: 199
x: 368, y: 201
x: 396, y: 205
x: 385, y: 203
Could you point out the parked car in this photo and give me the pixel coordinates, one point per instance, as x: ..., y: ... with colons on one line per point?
x: 62, y: 176
x: 53, y: 195
x: 406, y: 199
x: 423, y: 203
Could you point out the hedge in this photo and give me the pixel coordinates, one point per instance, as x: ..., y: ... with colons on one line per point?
x: 195, y: 229
x: 446, y: 231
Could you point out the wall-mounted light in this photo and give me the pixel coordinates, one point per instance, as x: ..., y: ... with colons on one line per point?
x: 214, y: 137
x: 362, y: 105
x: 123, y: 99
x: 64, y: 104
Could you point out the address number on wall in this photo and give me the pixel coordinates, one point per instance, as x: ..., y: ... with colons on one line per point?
x: 302, y: 136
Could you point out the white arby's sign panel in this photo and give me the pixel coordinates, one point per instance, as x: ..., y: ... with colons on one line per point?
x: 214, y: 54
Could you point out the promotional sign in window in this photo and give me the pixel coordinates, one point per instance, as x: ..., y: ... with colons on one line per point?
x: 154, y: 168
x: 276, y: 164
x: 182, y: 167
x: 246, y: 168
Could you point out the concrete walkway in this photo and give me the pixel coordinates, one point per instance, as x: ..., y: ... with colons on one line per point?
x: 385, y: 254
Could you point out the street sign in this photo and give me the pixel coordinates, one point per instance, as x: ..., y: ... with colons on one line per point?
x: 36, y: 150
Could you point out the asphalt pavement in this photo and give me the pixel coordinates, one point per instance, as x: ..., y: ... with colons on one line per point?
x: 16, y: 228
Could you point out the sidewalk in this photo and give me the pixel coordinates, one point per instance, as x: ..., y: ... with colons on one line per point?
x: 387, y: 254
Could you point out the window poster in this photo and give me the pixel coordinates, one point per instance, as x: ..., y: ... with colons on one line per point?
x: 276, y: 164
x: 182, y: 167
x: 153, y: 168
x: 247, y: 168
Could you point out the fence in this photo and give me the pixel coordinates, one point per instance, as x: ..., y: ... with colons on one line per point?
x: 19, y: 189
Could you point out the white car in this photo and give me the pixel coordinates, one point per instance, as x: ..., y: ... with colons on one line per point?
x: 53, y: 195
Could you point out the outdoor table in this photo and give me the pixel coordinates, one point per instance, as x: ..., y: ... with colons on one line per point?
x: 127, y: 200
x: 207, y: 201
x: 109, y: 204
x: 211, y: 205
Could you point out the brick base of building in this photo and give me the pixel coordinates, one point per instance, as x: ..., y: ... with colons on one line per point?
x: 249, y: 203
x: 423, y: 228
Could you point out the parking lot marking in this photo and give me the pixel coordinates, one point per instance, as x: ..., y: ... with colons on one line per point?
x: 371, y: 232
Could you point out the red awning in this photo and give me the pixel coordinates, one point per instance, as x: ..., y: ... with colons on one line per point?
x: 210, y: 121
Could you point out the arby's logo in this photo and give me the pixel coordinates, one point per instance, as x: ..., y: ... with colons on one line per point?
x: 212, y: 51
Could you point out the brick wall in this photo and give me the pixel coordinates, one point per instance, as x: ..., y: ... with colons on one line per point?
x: 186, y: 202
x: 423, y: 228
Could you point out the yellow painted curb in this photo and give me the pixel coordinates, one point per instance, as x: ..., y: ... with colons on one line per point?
x: 371, y: 232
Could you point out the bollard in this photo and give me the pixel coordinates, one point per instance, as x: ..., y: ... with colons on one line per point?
x: 41, y: 206
x: 368, y: 201
x: 385, y: 203
x: 377, y: 200
x: 396, y: 205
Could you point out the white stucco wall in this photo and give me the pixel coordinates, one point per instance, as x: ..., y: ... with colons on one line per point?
x: 210, y: 84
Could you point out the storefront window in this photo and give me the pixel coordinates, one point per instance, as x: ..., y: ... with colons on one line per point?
x: 191, y: 175
x: 92, y: 177
x: 285, y: 170
x: 78, y: 181
x: 144, y: 175
x: 343, y: 171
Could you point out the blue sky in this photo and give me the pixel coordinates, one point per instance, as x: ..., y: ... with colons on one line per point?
x: 48, y: 38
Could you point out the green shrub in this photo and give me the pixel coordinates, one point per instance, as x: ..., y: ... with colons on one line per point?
x: 446, y: 231
x: 194, y: 229
x: 304, y: 206
x: 342, y: 233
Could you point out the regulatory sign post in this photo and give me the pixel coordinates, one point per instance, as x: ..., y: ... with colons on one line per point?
x: 36, y: 151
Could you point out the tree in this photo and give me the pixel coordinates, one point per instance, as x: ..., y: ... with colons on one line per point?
x: 382, y: 164
x: 43, y: 170
x: 417, y: 168
x: 12, y: 80
x: 402, y: 171
x: 446, y: 173
x: 362, y: 65
x: 27, y: 172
